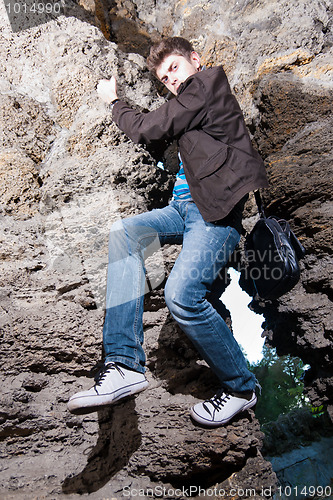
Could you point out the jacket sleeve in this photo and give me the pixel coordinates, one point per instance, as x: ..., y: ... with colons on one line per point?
x: 184, y: 112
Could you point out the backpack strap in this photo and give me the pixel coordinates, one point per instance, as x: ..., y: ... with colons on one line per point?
x: 259, y: 204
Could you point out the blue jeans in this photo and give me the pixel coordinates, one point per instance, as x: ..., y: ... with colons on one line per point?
x: 206, y: 248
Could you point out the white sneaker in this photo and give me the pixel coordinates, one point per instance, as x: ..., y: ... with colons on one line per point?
x: 112, y: 383
x: 222, y: 407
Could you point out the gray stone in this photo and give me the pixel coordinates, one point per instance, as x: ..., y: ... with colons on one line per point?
x: 306, y: 471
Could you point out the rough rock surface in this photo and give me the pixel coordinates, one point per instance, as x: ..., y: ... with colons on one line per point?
x: 67, y: 173
x: 300, y: 449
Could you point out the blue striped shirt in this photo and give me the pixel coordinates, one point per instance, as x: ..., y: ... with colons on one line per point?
x: 181, y: 190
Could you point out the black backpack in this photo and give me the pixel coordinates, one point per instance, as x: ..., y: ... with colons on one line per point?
x: 272, y: 251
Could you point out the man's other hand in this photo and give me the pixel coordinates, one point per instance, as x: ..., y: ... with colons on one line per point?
x: 107, y: 90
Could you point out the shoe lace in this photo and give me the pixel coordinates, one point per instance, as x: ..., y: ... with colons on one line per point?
x: 219, y: 399
x: 105, y: 370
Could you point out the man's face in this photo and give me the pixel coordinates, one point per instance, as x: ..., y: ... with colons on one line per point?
x: 175, y: 69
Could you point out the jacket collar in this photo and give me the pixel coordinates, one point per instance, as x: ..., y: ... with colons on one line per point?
x: 183, y: 85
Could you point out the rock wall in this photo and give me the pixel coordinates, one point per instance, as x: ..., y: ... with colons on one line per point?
x: 67, y: 173
x: 300, y: 448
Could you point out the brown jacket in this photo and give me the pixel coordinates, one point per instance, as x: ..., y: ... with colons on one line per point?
x: 220, y: 164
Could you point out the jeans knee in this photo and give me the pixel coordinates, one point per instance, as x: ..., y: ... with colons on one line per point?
x: 119, y: 247
x: 116, y: 228
x: 124, y: 225
x: 168, y: 295
x: 179, y: 300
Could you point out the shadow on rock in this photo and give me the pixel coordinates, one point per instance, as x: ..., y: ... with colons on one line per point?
x: 119, y: 437
x: 115, y: 26
x: 177, y: 362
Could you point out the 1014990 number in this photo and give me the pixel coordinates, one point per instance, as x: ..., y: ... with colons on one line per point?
x: 34, y: 8
x: 305, y: 491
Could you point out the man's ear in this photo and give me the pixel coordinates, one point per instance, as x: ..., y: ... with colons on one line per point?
x: 195, y: 59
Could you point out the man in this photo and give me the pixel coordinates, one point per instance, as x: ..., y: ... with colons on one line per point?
x: 219, y: 167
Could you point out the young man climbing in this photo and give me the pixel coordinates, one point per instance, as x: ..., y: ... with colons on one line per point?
x: 219, y: 167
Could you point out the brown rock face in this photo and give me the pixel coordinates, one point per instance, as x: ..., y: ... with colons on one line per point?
x: 27, y: 126
x: 299, y: 164
x: 19, y: 190
x: 67, y: 173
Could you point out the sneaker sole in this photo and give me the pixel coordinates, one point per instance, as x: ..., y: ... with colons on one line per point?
x: 209, y: 423
x: 84, y: 404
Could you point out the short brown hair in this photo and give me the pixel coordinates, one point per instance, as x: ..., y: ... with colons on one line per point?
x: 166, y: 47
